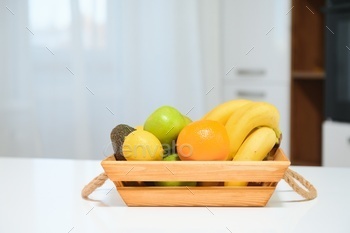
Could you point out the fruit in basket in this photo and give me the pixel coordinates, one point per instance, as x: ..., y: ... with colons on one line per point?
x: 174, y: 157
x: 203, y: 140
x: 175, y: 183
x: 222, y: 112
x: 255, y: 147
x: 117, y: 136
x: 165, y: 123
x: 187, y: 119
x: 210, y: 183
x: 139, y: 127
x: 247, y: 118
x: 141, y: 145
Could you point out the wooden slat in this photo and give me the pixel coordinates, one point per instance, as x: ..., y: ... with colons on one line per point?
x: 178, y: 171
x: 196, y: 196
x: 308, y: 75
x: 258, y: 171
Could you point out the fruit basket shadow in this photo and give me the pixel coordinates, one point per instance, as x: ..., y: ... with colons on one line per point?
x: 131, y: 179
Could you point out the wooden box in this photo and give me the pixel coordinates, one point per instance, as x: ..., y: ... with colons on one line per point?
x: 264, y: 174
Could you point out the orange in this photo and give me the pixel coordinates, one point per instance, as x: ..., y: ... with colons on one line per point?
x: 203, y: 140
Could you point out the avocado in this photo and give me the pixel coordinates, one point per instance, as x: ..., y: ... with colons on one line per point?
x: 118, y: 135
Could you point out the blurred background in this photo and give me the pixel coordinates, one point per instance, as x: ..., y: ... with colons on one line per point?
x: 71, y: 70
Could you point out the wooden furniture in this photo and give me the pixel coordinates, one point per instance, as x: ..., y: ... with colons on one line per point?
x: 307, y: 82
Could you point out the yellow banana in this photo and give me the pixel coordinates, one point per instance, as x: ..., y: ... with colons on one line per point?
x: 257, y: 145
x: 247, y: 118
x: 255, y: 148
x: 223, y: 111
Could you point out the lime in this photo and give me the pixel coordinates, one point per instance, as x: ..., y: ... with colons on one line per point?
x: 174, y: 157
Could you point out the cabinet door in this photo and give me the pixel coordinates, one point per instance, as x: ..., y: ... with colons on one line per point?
x: 336, y: 144
x: 274, y: 94
x: 256, y: 39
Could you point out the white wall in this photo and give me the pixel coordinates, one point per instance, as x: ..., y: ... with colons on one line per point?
x: 72, y: 70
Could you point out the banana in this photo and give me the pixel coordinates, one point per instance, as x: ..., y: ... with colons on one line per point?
x: 248, y: 117
x: 223, y: 111
x: 257, y: 145
x: 255, y: 148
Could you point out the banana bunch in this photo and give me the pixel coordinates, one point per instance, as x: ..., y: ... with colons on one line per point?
x: 253, y: 129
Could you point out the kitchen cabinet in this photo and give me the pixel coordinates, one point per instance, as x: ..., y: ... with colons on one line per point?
x: 256, y: 43
x: 256, y: 40
x: 336, y: 144
x: 307, y: 82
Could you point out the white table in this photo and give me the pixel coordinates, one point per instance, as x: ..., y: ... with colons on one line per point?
x: 43, y: 195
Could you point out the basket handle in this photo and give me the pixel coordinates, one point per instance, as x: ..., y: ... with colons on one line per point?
x: 294, y: 179
x: 97, y: 182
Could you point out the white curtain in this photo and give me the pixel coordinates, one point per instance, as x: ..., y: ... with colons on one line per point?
x: 72, y: 70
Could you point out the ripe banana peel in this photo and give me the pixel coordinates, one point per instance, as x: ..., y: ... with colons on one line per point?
x: 222, y: 112
x: 248, y: 117
x: 255, y: 148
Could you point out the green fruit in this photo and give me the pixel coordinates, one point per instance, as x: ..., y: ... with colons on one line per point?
x: 174, y: 157
x: 118, y: 135
x: 165, y: 123
x: 187, y: 119
x: 175, y: 183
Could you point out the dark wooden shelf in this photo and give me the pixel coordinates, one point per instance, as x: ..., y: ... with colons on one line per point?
x: 308, y: 75
x: 303, y: 163
x: 307, y: 82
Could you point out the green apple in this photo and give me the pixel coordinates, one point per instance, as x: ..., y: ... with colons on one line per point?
x: 166, y: 123
x: 187, y: 119
x: 174, y: 157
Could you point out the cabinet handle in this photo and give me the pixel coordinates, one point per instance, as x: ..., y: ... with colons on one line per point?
x: 250, y: 94
x: 251, y: 72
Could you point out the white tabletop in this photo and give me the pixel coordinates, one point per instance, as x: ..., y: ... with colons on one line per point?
x: 43, y: 195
